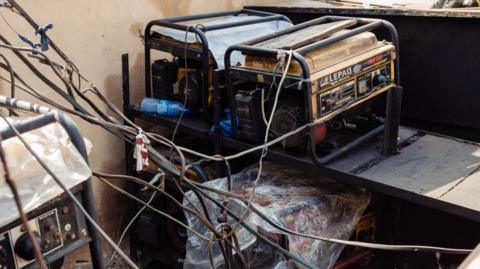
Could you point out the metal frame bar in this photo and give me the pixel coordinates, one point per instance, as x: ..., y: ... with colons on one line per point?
x: 199, y: 31
x: 87, y: 192
x: 393, y: 104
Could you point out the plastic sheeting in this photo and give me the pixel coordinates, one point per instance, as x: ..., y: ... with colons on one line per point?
x: 34, y: 185
x: 291, y: 200
x: 220, y: 40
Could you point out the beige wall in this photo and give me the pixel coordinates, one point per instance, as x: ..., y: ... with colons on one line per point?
x: 94, y: 34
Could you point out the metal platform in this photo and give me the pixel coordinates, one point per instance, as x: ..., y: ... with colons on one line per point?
x: 432, y: 170
x: 435, y: 167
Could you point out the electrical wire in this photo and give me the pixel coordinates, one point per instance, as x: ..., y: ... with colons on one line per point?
x: 263, y: 98
x: 53, y: 68
x: 185, y: 91
x: 134, y: 218
x: 281, y: 138
x: 12, y: 78
x: 7, y: 23
x: 166, y: 194
x: 265, y: 147
x: 151, y: 207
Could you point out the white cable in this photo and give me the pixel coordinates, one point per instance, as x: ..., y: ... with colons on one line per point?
x: 264, y: 117
x: 185, y: 92
x: 265, y: 145
x: 125, y: 230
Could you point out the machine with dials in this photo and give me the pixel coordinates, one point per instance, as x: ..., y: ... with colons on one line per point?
x: 56, y: 220
x: 59, y: 229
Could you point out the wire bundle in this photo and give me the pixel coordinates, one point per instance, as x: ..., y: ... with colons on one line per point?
x: 75, y: 85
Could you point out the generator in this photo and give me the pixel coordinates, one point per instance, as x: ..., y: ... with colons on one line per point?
x: 197, y: 45
x: 338, y: 68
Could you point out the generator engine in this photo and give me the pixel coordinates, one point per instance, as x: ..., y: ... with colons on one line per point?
x: 189, y: 87
x: 171, y: 80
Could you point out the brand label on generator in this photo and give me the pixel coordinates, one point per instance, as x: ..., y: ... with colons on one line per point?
x: 353, y: 69
x: 337, y: 76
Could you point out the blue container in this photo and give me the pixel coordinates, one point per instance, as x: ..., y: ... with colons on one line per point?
x: 162, y: 107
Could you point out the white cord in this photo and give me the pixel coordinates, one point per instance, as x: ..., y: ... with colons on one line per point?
x: 185, y: 92
x: 265, y: 145
x: 130, y: 223
x: 264, y: 117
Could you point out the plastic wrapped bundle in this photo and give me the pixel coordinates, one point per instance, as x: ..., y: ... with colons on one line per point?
x: 291, y: 200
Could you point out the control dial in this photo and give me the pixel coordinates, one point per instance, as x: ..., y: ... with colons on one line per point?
x: 379, y: 79
x: 24, y: 247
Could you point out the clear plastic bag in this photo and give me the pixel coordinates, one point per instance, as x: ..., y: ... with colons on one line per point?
x: 220, y: 40
x: 291, y: 200
x: 34, y: 185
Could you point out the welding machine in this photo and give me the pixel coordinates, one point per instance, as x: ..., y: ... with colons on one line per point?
x: 338, y: 66
x: 54, y: 218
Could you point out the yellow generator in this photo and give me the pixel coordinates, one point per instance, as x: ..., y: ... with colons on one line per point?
x: 330, y: 70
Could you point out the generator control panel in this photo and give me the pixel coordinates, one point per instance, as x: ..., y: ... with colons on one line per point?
x: 57, y: 227
x: 353, y: 90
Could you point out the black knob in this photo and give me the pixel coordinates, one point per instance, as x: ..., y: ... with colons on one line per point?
x: 24, y: 247
x: 379, y: 79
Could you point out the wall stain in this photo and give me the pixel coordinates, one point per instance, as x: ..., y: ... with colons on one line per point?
x: 170, y: 8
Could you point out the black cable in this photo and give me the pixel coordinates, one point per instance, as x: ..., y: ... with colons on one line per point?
x: 12, y: 78
x: 43, y: 78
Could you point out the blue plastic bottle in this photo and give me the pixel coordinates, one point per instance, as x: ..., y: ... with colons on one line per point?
x: 162, y: 107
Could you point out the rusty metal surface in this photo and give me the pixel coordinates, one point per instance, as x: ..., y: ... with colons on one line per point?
x: 309, y: 6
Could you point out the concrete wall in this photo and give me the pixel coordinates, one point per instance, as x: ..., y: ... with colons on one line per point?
x: 94, y: 34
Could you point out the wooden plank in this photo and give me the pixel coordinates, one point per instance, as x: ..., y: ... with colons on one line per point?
x: 306, y: 36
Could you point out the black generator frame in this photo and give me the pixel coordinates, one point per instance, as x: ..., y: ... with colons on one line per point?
x: 394, y: 92
x: 85, y: 188
x: 199, y: 30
